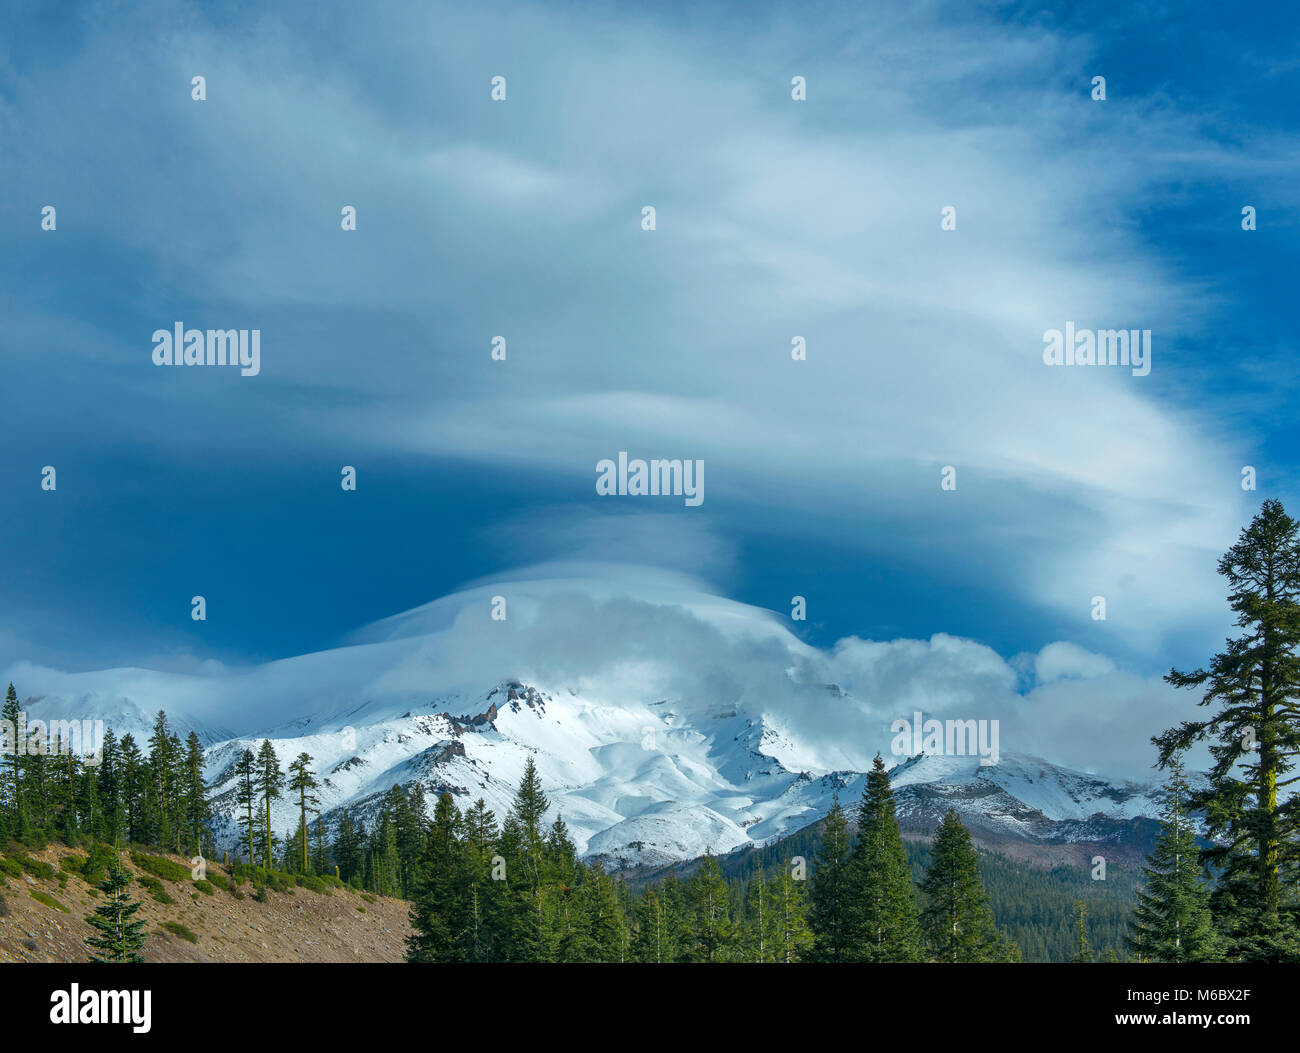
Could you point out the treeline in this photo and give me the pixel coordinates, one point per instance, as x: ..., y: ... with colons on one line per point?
x: 1039, y: 907
x: 518, y: 892
x: 514, y: 891
x: 1035, y: 906
x: 156, y: 797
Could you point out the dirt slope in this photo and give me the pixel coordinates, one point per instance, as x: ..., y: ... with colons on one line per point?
x: 303, y: 927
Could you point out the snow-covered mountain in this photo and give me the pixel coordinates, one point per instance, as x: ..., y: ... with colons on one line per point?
x: 640, y: 784
x: 632, y: 781
x: 1026, y: 802
x: 646, y: 766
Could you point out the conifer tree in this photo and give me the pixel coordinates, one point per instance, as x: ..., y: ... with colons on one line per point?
x: 486, y: 906
x: 35, y: 768
x: 832, y: 915
x: 1254, y: 738
x: 10, y: 762
x: 383, y: 863
x: 88, y: 804
x: 320, y: 850
x: 524, y: 931
x: 601, y: 917
x: 529, y: 810
x: 120, y: 937
x: 1082, y: 952
x: 349, y: 850
x: 1172, y: 920
x: 134, y: 782
x: 438, y: 913
x: 302, y: 782
x: 758, y: 920
x: 648, y: 930
x: 176, y: 779
x: 677, y: 940
x: 883, y: 913
x: 270, y: 784
x: 957, y: 921
x: 247, y: 801
x: 710, y: 913
x: 109, y: 776
x: 195, y: 811
x: 69, y: 779
x: 161, y: 793
x: 566, y: 894
x: 787, y: 907
x: 410, y: 819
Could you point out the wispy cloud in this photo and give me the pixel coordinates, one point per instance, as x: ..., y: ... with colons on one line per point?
x: 776, y: 219
x: 627, y: 635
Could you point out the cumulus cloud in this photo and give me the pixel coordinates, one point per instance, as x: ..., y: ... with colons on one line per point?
x: 1059, y: 660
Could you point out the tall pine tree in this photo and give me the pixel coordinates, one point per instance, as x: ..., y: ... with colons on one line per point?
x: 11, y: 789
x: 883, y: 913
x: 710, y: 914
x: 440, y: 915
x: 957, y: 921
x: 302, y: 783
x: 832, y: 914
x: 1172, y: 920
x: 270, y: 784
x: 195, y: 811
x: 246, y: 802
x: 788, y: 910
x: 1254, y: 738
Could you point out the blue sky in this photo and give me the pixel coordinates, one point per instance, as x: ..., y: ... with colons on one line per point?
x: 521, y: 218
